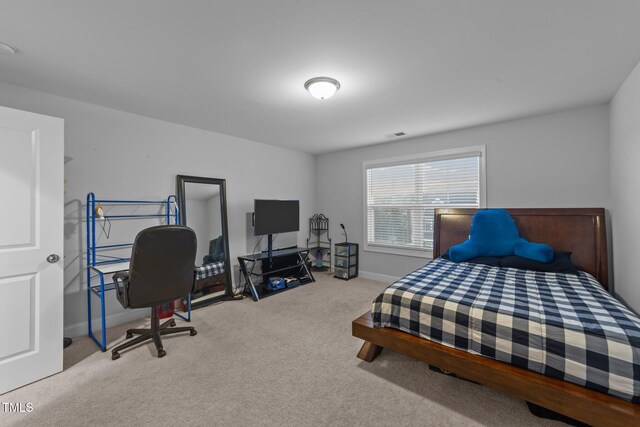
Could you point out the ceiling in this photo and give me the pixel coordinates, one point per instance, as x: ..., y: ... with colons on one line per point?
x: 238, y: 67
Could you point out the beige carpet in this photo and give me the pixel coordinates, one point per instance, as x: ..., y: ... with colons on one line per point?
x: 287, y: 360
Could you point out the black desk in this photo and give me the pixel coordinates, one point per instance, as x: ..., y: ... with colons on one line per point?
x: 298, y: 269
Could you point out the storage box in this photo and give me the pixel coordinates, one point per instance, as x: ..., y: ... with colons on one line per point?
x: 166, y: 310
x: 345, y: 273
x: 346, y: 260
x: 275, y: 283
x: 349, y: 249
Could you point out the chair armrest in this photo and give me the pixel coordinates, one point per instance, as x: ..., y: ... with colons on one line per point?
x: 121, y: 282
x: 122, y: 276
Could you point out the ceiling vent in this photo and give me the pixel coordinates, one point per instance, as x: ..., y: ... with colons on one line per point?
x: 395, y: 135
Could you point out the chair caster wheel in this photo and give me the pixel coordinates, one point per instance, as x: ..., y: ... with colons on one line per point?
x: 115, y: 356
x: 193, y: 332
x: 173, y: 323
x: 129, y: 335
x: 161, y: 353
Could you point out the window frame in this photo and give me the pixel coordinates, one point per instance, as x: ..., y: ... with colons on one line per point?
x: 418, y: 158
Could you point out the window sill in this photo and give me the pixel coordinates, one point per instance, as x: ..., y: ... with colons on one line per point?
x: 416, y: 253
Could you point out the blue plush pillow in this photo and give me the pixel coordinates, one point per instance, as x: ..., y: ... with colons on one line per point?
x: 493, y: 233
x: 535, y: 251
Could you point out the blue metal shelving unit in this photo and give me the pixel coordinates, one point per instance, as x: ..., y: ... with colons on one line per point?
x: 100, y: 264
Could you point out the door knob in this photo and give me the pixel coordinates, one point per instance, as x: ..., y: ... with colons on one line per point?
x: 53, y: 258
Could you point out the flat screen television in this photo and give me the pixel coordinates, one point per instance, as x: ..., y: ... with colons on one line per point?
x: 276, y: 216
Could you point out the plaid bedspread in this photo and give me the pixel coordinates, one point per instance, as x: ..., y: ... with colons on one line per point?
x: 209, y: 270
x: 561, y: 325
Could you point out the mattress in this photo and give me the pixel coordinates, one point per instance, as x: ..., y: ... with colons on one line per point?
x: 560, y: 325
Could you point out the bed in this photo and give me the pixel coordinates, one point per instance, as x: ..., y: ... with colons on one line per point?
x: 210, y: 280
x: 447, y: 317
x: 208, y: 275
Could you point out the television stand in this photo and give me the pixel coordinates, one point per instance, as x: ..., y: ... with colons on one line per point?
x: 270, y: 251
x: 283, y: 263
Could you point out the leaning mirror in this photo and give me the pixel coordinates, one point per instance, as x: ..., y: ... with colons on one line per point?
x: 202, y: 206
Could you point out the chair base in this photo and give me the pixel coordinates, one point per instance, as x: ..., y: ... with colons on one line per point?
x: 152, y: 333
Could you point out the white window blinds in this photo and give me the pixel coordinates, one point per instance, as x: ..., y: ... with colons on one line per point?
x: 401, y: 197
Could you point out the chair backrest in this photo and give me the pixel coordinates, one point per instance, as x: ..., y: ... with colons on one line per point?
x: 162, y: 265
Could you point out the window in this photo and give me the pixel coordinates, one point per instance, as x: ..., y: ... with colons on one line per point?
x: 401, y: 196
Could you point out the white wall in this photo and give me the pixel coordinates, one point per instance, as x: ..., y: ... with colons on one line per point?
x: 558, y: 160
x: 554, y: 160
x: 215, y: 220
x: 625, y: 185
x: 122, y: 155
x: 198, y: 219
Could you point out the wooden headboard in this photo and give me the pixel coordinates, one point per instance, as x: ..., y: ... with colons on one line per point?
x: 577, y: 230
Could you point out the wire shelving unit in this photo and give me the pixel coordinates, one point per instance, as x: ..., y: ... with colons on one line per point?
x: 101, y: 265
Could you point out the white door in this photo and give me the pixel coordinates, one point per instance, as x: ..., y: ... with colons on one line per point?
x: 31, y: 229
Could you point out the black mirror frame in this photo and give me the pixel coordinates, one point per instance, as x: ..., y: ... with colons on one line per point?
x: 181, y: 180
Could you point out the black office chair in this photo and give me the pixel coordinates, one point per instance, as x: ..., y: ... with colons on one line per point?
x: 161, y: 270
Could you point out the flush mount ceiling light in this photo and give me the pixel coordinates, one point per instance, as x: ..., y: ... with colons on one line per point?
x: 5, y: 49
x: 322, y: 87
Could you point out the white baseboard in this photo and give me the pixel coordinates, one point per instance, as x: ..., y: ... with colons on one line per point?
x: 377, y: 276
x: 80, y: 329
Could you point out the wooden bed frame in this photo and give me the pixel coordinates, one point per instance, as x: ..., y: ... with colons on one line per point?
x: 577, y: 230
